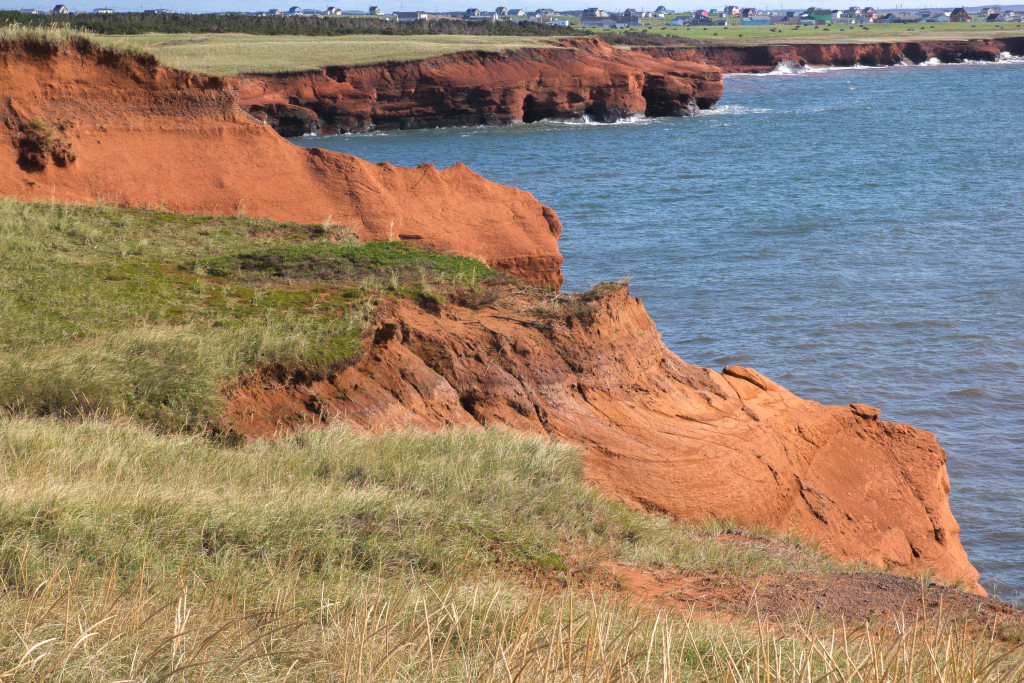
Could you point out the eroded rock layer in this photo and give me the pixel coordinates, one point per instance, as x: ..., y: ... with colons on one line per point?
x: 81, y: 123
x: 662, y: 434
x: 764, y: 58
x: 586, y: 77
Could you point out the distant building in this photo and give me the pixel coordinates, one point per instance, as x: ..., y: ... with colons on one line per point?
x: 333, y: 11
x: 412, y: 16
x: 103, y: 10
x: 594, y: 12
x: 61, y: 9
x: 731, y: 11
x: 960, y: 15
x: 756, y: 19
x: 374, y: 11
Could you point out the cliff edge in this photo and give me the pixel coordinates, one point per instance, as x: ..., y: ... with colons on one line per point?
x: 662, y: 434
x: 83, y: 123
x: 585, y: 77
x: 764, y: 58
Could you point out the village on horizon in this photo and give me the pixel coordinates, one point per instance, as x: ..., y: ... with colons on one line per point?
x: 595, y: 17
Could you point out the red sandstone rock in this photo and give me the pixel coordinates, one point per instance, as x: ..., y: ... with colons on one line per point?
x: 143, y: 135
x: 865, y: 411
x: 660, y: 433
x: 587, y: 77
x: 763, y: 58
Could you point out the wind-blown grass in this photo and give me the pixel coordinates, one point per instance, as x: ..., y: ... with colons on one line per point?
x: 129, y: 555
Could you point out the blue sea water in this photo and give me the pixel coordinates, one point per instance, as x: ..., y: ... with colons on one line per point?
x: 854, y: 234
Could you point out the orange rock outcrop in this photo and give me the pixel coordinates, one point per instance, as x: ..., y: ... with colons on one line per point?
x: 143, y: 135
x: 660, y: 433
x: 586, y: 77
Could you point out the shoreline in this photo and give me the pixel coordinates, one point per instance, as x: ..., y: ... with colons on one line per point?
x: 584, y: 79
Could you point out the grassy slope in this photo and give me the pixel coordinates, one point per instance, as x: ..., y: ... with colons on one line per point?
x: 145, y: 313
x: 131, y: 551
x: 232, y: 54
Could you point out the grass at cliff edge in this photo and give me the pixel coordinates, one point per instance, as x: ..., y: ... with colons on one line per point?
x: 233, y: 54
x: 137, y: 543
x: 145, y: 314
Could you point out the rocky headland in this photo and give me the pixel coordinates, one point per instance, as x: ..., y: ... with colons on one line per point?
x: 84, y: 123
x: 87, y: 124
x: 765, y: 58
x: 666, y: 436
x: 585, y: 77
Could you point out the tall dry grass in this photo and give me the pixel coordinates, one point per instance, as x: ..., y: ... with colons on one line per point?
x: 131, y: 555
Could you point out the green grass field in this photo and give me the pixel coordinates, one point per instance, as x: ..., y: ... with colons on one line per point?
x: 232, y: 54
x: 861, y: 33
x: 138, y: 543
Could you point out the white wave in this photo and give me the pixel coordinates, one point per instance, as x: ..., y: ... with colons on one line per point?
x: 788, y: 68
x: 1007, y: 58
x: 733, y: 110
x: 585, y: 120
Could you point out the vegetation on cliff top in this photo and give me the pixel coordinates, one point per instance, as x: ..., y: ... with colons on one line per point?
x: 137, y: 23
x: 235, y: 53
x: 145, y: 314
x: 660, y: 33
x: 137, y: 544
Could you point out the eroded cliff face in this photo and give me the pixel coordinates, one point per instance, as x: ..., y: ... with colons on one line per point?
x: 586, y: 77
x: 82, y: 123
x: 764, y: 58
x: 660, y: 433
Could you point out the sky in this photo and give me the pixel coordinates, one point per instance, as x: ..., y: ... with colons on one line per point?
x: 437, y: 5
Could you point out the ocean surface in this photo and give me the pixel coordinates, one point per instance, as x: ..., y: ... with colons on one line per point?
x: 854, y: 234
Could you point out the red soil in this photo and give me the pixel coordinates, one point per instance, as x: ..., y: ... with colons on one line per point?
x: 662, y: 434
x: 471, y: 88
x: 142, y: 135
x: 763, y: 58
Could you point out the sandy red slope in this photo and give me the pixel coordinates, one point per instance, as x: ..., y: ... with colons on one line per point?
x: 587, y: 77
x: 143, y: 135
x: 660, y: 433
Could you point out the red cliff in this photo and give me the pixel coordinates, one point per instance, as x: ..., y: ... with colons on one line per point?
x: 764, y: 58
x: 587, y: 77
x: 660, y: 433
x: 82, y: 123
